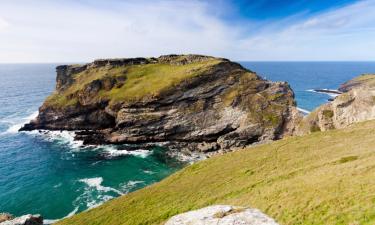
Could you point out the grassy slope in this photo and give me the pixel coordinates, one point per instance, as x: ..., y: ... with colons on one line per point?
x: 368, y: 79
x: 140, y: 81
x: 322, y: 178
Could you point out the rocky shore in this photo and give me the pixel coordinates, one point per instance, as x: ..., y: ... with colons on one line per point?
x: 190, y: 103
x: 8, y: 219
x: 355, y: 104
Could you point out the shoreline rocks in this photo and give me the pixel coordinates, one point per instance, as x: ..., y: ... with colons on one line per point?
x: 355, y: 104
x: 223, y: 215
x: 7, y: 219
x: 328, y: 91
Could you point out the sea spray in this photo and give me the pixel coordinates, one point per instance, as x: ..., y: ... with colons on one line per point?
x: 15, y: 122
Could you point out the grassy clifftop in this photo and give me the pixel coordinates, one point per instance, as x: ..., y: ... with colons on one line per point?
x: 360, y: 81
x: 128, y: 82
x: 321, y: 178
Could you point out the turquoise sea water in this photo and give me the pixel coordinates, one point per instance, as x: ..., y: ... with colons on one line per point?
x: 55, y: 176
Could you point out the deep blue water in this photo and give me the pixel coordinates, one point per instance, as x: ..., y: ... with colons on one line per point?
x: 304, y: 76
x: 53, y: 175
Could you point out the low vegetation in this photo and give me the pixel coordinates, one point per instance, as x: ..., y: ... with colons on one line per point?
x: 134, y: 82
x: 321, y: 178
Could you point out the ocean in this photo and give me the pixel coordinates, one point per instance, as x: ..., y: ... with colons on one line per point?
x: 53, y: 175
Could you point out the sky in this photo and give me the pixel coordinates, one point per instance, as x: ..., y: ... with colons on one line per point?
x: 246, y: 30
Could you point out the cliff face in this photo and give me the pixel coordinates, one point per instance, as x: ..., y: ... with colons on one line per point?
x: 193, y: 102
x: 356, y: 104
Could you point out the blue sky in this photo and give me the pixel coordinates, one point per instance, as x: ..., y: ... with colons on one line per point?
x: 263, y: 30
x: 278, y: 9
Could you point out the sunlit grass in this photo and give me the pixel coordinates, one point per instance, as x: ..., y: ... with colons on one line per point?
x: 321, y: 178
x: 140, y: 81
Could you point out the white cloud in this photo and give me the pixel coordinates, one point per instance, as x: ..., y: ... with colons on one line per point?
x: 342, y: 34
x: 3, y: 24
x: 78, y: 32
x: 56, y: 31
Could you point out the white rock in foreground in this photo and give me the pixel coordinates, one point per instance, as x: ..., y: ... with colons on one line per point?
x: 222, y: 215
x: 25, y: 220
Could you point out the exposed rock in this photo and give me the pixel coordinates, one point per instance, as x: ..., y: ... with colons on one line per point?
x: 222, y: 215
x: 217, y: 105
x: 5, y: 217
x: 24, y: 220
x: 328, y: 91
x: 360, y: 81
x: 355, y: 105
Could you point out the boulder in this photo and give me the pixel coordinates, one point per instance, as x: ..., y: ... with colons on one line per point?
x: 25, y: 220
x: 5, y: 217
x: 222, y: 215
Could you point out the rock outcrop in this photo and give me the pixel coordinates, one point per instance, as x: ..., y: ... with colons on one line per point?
x: 360, y: 81
x: 5, y: 217
x: 23, y: 220
x: 188, y: 102
x: 222, y: 215
x: 356, y: 104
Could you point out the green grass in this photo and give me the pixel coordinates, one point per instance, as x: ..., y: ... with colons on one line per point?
x: 328, y: 113
x: 368, y: 79
x: 140, y: 81
x: 321, y: 178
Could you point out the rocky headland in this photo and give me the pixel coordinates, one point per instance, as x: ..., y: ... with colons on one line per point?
x: 190, y: 103
x: 355, y: 104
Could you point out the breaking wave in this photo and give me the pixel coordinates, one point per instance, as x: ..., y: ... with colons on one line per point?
x: 304, y: 111
x: 111, y: 151
x: 96, y: 183
x: 333, y: 95
x: 15, y: 122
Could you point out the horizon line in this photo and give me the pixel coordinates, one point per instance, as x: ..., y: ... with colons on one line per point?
x: 84, y: 62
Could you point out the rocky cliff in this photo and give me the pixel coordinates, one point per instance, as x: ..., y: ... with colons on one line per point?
x: 355, y: 104
x: 188, y: 102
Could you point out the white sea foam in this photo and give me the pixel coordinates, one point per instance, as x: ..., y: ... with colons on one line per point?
x: 333, y: 95
x: 95, y: 193
x: 95, y: 203
x: 126, y: 187
x: 111, y: 151
x: 149, y: 172
x: 96, y: 183
x: 57, y: 185
x: 15, y: 123
x: 62, y: 137
x: 51, y: 221
x: 303, y: 110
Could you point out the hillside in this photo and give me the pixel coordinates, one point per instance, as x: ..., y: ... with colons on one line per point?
x: 190, y: 103
x: 321, y: 178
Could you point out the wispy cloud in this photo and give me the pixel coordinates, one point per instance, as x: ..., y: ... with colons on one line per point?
x: 341, y: 34
x: 3, y: 24
x: 84, y: 30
